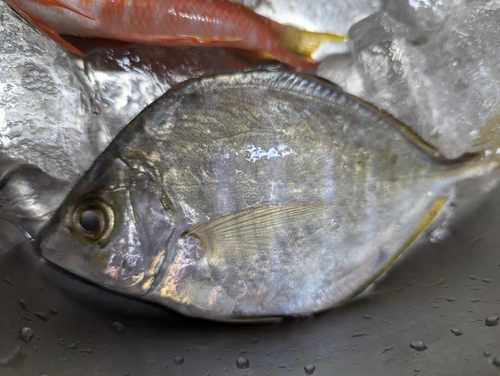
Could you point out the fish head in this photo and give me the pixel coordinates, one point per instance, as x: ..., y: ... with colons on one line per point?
x: 112, y: 229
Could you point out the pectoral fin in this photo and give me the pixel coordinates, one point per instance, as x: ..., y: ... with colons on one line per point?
x: 255, y: 228
x: 45, y: 28
x: 54, y: 36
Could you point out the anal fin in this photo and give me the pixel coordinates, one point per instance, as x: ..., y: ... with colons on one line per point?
x: 45, y: 28
x: 54, y: 36
x: 434, y: 210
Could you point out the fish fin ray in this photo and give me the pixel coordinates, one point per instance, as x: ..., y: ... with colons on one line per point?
x: 250, y: 225
x: 303, y: 42
x: 412, y: 136
x: 45, y: 28
x: 61, y: 4
x: 489, y: 134
x: 54, y: 36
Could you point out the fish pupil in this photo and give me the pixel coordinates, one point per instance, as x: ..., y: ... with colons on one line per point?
x: 90, y: 221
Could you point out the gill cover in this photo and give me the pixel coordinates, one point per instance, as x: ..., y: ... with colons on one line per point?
x: 112, y: 228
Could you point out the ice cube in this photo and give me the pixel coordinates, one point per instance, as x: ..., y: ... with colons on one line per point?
x: 444, y: 84
x: 421, y: 15
x: 44, y: 114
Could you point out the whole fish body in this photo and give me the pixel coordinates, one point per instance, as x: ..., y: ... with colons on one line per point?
x: 252, y: 194
x: 173, y: 22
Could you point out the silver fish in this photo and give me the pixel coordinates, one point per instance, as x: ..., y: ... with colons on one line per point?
x: 250, y: 195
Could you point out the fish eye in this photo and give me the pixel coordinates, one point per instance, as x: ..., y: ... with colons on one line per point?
x: 93, y: 219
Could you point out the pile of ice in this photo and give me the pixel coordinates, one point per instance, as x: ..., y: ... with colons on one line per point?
x: 433, y: 64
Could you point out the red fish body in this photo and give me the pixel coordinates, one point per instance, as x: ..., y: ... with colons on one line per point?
x: 172, y: 22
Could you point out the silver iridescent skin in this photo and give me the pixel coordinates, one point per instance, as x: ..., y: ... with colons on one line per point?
x: 252, y: 194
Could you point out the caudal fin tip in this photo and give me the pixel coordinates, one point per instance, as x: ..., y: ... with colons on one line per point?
x: 305, y: 43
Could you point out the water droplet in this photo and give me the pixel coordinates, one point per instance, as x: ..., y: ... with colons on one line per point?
x: 41, y: 315
x: 126, y: 374
x: 448, y: 299
x: 388, y: 349
x: 491, y: 321
x: 457, y: 332
x: 74, y: 345
x: 26, y: 334
x: 23, y: 304
x: 7, y: 281
x: 242, y: 362
x: 439, y: 234
x: 473, y: 277
x: 362, y: 334
x: 54, y: 311
x: 118, y: 327
x: 487, y: 280
x: 309, y: 369
x: 418, y: 345
x: 14, y: 355
x: 334, y: 225
x: 418, y: 369
x: 486, y: 353
x: 178, y: 360
x: 367, y: 317
x: 474, y: 300
x: 496, y: 361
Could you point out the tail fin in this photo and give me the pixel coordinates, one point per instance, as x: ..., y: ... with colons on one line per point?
x: 303, y: 42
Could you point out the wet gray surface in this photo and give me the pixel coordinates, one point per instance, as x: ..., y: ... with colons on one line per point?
x: 57, y: 113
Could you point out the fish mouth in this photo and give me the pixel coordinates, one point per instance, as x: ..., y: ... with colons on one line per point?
x: 52, y: 247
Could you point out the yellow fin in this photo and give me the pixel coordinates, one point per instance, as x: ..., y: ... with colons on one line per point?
x: 255, y: 226
x: 429, y: 217
x: 303, y: 42
x: 489, y: 134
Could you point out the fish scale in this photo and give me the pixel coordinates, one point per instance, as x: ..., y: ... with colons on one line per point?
x: 339, y: 190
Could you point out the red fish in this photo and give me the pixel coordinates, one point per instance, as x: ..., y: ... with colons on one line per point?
x: 173, y: 22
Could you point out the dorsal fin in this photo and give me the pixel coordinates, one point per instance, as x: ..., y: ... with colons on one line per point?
x: 310, y: 85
